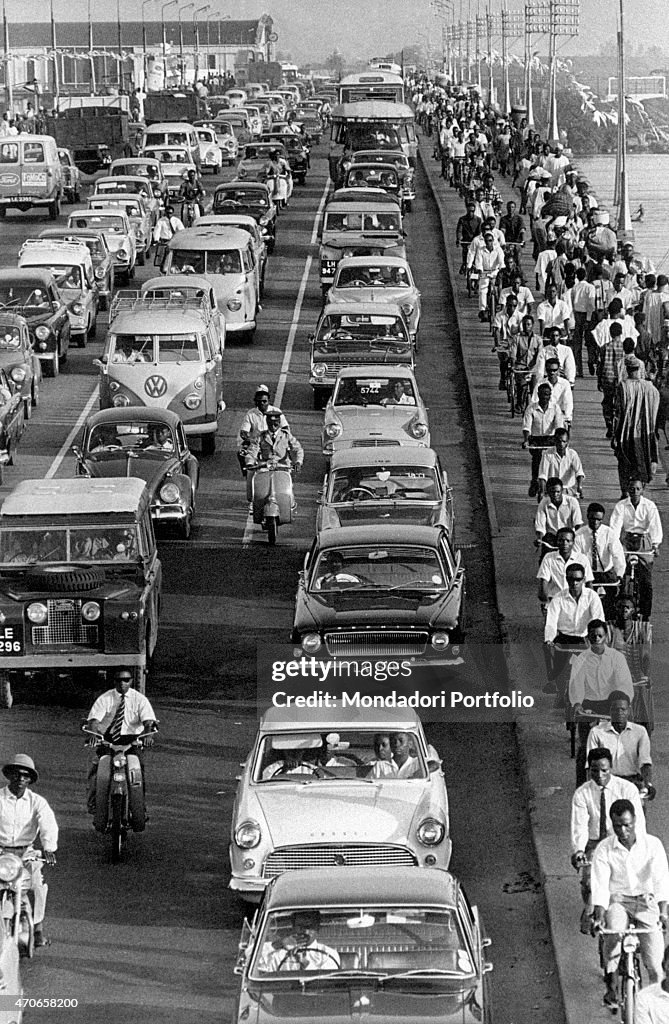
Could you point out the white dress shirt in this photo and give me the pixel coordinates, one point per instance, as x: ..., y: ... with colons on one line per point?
x: 601, y: 332
x: 553, y: 570
x: 137, y: 711
x: 630, y: 747
x: 23, y: 818
x: 567, y: 615
x: 610, y: 552
x: 550, y: 517
x: 641, y: 871
x: 565, y: 357
x: 561, y: 395
x: 541, y: 423
x: 553, y: 315
x: 524, y: 296
x: 645, y: 518
x: 544, y: 260
x: 567, y: 467
x: 585, y: 805
x: 651, y: 1005
x: 596, y: 676
x: 583, y: 298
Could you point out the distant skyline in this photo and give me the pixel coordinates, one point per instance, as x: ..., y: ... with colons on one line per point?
x: 311, y: 29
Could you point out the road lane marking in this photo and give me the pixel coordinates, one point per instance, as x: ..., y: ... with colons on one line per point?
x: 67, y: 443
x: 290, y: 341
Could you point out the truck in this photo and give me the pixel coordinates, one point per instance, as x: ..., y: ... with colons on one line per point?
x: 96, y: 135
x: 174, y: 106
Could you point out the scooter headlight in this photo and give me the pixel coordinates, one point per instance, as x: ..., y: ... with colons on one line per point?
x: 11, y: 867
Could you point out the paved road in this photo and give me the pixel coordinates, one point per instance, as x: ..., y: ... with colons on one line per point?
x: 160, y: 931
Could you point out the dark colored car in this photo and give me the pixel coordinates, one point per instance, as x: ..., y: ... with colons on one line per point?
x: 92, y: 158
x: 149, y: 444
x: 33, y: 293
x: 253, y: 198
x: 11, y: 420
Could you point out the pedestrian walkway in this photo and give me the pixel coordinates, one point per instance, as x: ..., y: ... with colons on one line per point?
x: 550, y: 773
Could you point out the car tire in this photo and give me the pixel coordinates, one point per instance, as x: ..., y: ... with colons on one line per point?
x: 6, y: 699
x: 208, y: 442
x: 52, y: 368
x: 27, y: 407
x: 69, y: 579
x: 272, y: 529
x: 83, y: 338
x: 271, y: 244
x: 185, y: 526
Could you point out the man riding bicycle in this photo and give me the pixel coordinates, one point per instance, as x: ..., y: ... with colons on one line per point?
x: 191, y: 191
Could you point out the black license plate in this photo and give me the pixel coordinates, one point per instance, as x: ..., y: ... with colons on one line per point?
x: 11, y: 640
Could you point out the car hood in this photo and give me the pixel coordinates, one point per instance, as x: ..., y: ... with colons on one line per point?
x: 377, y: 243
x: 116, y: 242
x: 362, y: 513
x: 152, y: 470
x: 446, y: 1004
x: 398, y: 295
x: 340, y: 811
x: 387, y: 608
x: 376, y: 419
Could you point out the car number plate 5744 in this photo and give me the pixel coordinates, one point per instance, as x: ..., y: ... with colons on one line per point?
x: 10, y: 641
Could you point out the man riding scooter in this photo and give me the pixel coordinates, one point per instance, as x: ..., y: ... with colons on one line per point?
x: 191, y: 196
x: 273, y: 454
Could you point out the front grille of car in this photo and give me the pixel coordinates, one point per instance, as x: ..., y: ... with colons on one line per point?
x: 327, y: 855
x: 374, y: 443
x: 65, y: 626
x: 384, y: 643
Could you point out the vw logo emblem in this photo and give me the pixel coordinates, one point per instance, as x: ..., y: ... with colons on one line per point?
x: 155, y: 386
x: 340, y: 860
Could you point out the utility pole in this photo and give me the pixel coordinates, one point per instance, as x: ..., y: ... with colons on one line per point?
x: 621, y: 199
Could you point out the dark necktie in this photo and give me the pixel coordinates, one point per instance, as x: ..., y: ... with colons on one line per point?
x: 116, y: 727
x: 602, y: 814
x: 595, y: 552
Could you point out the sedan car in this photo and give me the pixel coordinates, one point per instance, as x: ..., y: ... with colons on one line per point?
x: 118, y: 234
x: 101, y: 257
x: 211, y: 157
x: 34, y: 294
x: 118, y: 185
x: 175, y: 162
x: 149, y: 444
x: 387, y: 944
x: 374, y: 278
x: 400, y: 485
x: 71, y: 176
x: 18, y: 359
x: 373, y: 406
x: 354, y: 809
x: 12, y: 419
x: 227, y: 141
x: 398, y: 159
x: 381, y: 176
x: 137, y: 213
x: 256, y: 163
x: 253, y: 198
x: 382, y: 590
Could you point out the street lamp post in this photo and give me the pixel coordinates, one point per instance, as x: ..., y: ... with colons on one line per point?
x: 182, y: 59
x: 145, y: 54
x: 196, y: 27
x: 8, y: 59
x: 91, y: 59
x: 212, y: 14
x: 56, y: 70
x: 120, y: 46
x: 170, y: 3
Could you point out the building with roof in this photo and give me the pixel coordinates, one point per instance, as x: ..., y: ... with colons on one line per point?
x: 42, y: 61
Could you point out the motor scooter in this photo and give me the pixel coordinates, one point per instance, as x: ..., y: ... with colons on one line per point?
x: 190, y: 213
x: 16, y: 909
x: 272, y: 496
x: 283, y: 188
x: 119, y: 790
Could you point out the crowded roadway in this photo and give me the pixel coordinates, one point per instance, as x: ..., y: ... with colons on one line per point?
x: 158, y: 933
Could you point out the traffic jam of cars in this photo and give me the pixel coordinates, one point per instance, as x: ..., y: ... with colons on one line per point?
x: 340, y: 826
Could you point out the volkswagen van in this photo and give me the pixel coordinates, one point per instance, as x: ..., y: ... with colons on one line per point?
x: 165, y: 352
x: 227, y: 258
x: 31, y: 174
x: 72, y: 268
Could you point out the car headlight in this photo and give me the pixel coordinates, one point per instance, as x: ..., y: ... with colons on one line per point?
x: 37, y: 613
x: 90, y: 611
x: 311, y: 642
x: 234, y: 305
x: 18, y: 374
x: 407, y: 308
x: 120, y: 401
x: 192, y: 401
x: 247, y: 835
x: 418, y: 429
x: 170, y: 493
x: 319, y: 369
x: 241, y: 173
x: 42, y: 332
x: 430, y: 832
x: 123, y: 255
x: 333, y: 430
x: 99, y: 273
x: 77, y: 308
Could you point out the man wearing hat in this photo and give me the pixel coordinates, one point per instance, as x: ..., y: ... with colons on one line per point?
x: 25, y: 816
x: 254, y: 423
x: 634, y: 439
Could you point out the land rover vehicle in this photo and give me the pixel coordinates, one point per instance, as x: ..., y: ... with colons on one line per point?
x: 359, y: 226
x: 33, y: 293
x: 172, y: 133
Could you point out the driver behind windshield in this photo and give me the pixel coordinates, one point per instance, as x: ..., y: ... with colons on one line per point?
x: 125, y: 351
x: 293, y: 763
x: 332, y: 572
x: 300, y: 949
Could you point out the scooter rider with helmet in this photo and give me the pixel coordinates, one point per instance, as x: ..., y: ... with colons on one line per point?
x: 254, y: 423
x: 24, y: 816
x: 275, y: 443
x: 120, y: 714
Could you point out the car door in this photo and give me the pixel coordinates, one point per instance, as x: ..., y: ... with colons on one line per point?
x: 214, y: 361
x: 251, y: 281
x: 13, y: 412
x: 188, y: 461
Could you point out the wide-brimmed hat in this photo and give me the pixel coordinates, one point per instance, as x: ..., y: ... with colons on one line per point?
x: 21, y: 761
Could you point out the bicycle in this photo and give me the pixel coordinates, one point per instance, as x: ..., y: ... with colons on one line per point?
x: 629, y: 968
x: 518, y: 388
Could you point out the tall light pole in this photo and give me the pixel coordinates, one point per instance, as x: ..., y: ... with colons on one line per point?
x: 212, y: 14
x: 145, y: 54
x: 196, y: 28
x: 182, y: 58
x: 56, y: 70
x: 120, y: 45
x: 621, y: 199
x: 91, y: 59
x: 170, y: 3
x: 8, y: 59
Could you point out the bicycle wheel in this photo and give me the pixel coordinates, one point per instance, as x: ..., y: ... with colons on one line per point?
x: 116, y: 827
x: 628, y: 994
x: 643, y: 706
x: 511, y: 390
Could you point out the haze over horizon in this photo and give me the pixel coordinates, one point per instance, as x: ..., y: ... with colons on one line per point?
x: 309, y: 31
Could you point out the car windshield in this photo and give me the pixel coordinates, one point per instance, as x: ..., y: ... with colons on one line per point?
x: 108, y: 225
x: 25, y: 295
x: 99, y: 543
x: 66, y: 277
x: 134, y: 435
x: 216, y: 261
x: 354, y: 221
x: 131, y: 208
x: 382, y: 276
x: 365, y: 136
x: 387, y: 941
x: 354, y: 754
x: 122, y: 188
x: 245, y: 197
x: 336, y: 329
x: 371, y: 176
x: 392, y: 567
x: 375, y: 483
x: 10, y: 337
x: 141, y: 170
x: 185, y: 261
x: 374, y: 391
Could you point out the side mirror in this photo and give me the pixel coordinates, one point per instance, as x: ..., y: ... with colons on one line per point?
x: 78, y: 452
x: 101, y: 364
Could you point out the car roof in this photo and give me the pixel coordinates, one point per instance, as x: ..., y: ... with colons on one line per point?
x: 208, y: 237
x: 357, y: 205
x: 388, y: 154
x: 376, y: 164
x: 404, y: 455
x: 373, y: 261
x: 168, y: 126
x: 78, y: 496
x: 287, y: 719
x: 227, y: 219
x: 109, y: 179
x: 99, y: 211
x: 177, y: 281
x: 148, y: 160
x: 134, y: 412
x: 26, y: 274
x: 373, y: 308
x: 375, y: 370
x: 158, y: 321
x: 69, y: 232
x: 240, y: 183
x: 377, y: 535
x: 322, y: 887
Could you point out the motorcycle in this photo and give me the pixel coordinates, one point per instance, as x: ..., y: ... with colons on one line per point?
x: 119, y: 790
x: 16, y: 910
x: 283, y: 188
x: 272, y: 496
x: 190, y: 212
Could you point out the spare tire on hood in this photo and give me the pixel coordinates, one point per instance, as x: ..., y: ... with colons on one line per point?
x: 69, y: 579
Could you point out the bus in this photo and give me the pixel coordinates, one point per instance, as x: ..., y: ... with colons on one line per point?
x: 372, y: 125
x: 372, y: 85
x: 384, y: 64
